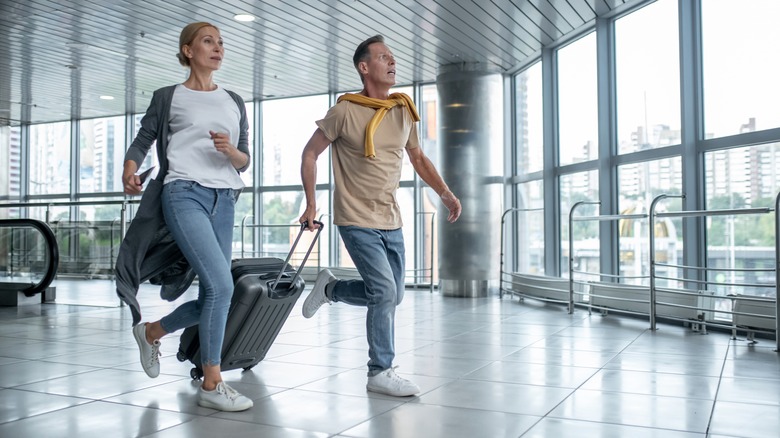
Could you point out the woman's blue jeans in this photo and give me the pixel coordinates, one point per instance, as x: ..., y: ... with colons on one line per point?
x: 379, y: 258
x: 200, y: 220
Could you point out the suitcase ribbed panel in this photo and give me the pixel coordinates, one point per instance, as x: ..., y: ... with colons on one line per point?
x: 255, y: 323
x: 256, y: 313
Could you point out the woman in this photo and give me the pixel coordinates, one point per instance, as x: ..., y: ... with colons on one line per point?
x: 195, y: 124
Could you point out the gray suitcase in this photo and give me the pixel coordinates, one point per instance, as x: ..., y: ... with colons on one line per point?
x: 266, y: 290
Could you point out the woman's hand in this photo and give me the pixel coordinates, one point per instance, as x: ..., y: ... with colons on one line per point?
x: 131, y: 182
x: 222, y: 144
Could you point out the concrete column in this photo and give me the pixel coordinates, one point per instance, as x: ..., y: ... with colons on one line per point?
x: 471, y: 162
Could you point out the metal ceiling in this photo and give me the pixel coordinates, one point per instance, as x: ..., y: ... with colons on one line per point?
x: 61, y: 56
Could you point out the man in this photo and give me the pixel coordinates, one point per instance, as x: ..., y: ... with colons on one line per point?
x: 369, y: 132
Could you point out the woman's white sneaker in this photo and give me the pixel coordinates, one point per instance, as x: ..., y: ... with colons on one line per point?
x: 223, y: 398
x: 150, y: 353
x: 389, y: 383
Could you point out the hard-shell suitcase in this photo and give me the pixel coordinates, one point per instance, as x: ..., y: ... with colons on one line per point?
x: 266, y: 289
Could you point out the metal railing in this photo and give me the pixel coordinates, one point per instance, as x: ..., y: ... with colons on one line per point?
x: 84, y: 255
x: 765, y: 322
x: 694, y: 303
x: 87, y: 248
x: 613, y: 278
x: 537, y: 286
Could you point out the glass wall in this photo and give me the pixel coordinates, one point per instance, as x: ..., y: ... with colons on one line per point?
x: 287, y: 126
x: 10, y: 162
x: 638, y: 185
x: 529, y: 128
x: 151, y: 158
x: 740, y: 178
x: 427, y: 251
x: 50, y: 159
x: 645, y: 155
x: 738, y: 94
x: 740, y: 66
x: 585, y: 234
x: 529, y: 223
x: 101, y: 154
x: 648, y: 78
x: 577, y: 101
x: 528, y: 218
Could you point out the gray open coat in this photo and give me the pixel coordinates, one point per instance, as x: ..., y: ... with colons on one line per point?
x: 148, y: 251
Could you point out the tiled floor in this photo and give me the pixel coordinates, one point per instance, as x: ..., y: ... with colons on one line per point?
x: 487, y: 368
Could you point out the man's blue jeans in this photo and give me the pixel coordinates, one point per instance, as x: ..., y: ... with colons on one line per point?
x: 379, y: 258
x: 200, y: 220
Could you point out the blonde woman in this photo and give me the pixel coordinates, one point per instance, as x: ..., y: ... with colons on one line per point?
x: 201, y: 133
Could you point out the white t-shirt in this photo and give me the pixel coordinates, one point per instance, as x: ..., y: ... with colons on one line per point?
x: 191, y: 152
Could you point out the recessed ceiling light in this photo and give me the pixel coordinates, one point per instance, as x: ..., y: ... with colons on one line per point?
x: 244, y: 17
x: 107, y: 97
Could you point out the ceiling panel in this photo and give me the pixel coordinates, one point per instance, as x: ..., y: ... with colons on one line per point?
x: 62, y: 56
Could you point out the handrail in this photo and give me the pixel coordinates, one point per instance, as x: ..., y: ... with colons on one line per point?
x: 501, y: 254
x: 571, y: 249
x: 243, y: 228
x: 777, y: 273
x: 720, y: 212
x: 53, y: 251
x: 70, y: 203
x: 423, y: 269
x: 651, y: 224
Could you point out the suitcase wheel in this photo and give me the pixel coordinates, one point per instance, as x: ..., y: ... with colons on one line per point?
x: 181, y: 356
x: 196, y: 373
x: 249, y: 368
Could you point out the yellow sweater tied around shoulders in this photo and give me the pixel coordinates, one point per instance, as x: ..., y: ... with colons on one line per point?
x: 381, y: 106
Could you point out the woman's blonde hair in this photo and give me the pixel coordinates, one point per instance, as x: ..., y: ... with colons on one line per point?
x: 186, y: 38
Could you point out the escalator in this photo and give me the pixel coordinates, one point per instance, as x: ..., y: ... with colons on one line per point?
x: 29, y: 257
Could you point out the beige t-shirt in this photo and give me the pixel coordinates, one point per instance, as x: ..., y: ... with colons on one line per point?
x: 365, y: 187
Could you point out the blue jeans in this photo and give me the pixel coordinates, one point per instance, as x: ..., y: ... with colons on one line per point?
x: 200, y: 220
x: 379, y: 258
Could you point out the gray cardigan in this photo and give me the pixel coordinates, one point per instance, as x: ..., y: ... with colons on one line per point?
x: 148, y: 251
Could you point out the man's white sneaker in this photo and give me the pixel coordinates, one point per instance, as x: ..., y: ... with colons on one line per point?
x: 223, y: 398
x: 150, y: 353
x: 317, y: 295
x: 390, y: 383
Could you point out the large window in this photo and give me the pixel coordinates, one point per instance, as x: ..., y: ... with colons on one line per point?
x: 529, y: 127
x: 578, y: 101
x: 742, y: 178
x: 585, y: 234
x: 740, y: 66
x: 427, y: 251
x: 529, y: 223
x: 248, y: 175
x: 101, y: 152
x: 151, y: 158
x: 50, y: 158
x: 407, y: 171
x: 287, y: 126
x: 10, y: 162
x: 648, y: 77
x: 639, y: 184
x: 428, y: 128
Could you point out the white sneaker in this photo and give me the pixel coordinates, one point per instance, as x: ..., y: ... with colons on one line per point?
x: 317, y: 295
x: 223, y: 398
x: 390, y: 383
x: 150, y: 353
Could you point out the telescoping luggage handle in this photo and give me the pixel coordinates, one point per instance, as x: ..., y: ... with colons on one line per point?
x: 306, y: 257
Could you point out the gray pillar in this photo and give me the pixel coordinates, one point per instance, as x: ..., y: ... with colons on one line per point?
x: 471, y: 163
